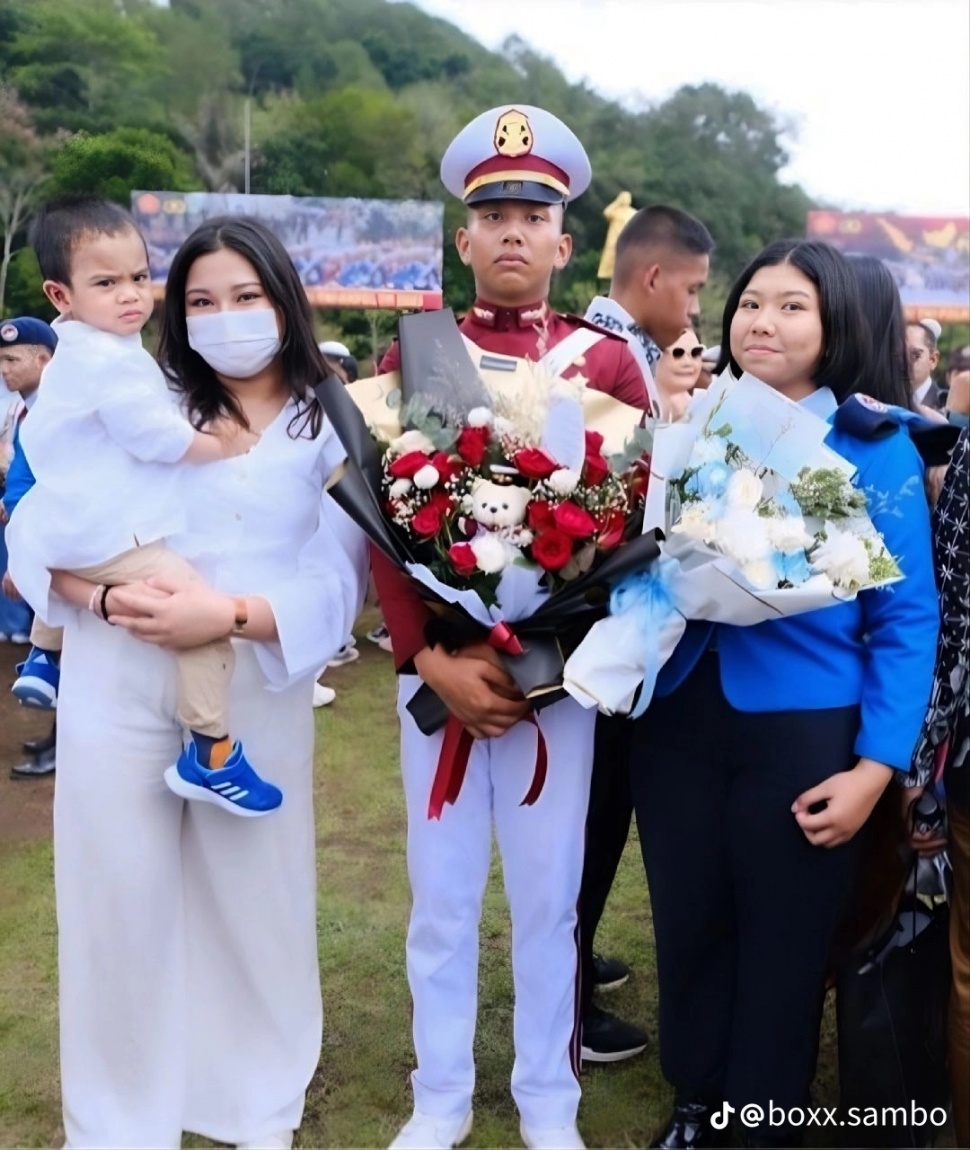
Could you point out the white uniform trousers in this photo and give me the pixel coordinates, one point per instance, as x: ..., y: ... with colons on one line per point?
x: 542, y: 858
x: 189, y: 985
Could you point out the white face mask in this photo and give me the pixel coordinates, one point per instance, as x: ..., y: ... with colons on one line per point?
x: 237, y: 344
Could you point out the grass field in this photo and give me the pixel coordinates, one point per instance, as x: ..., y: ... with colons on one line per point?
x: 360, y: 1094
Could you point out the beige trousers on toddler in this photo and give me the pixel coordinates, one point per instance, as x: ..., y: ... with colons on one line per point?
x: 47, y: 638
x: 204, y: 673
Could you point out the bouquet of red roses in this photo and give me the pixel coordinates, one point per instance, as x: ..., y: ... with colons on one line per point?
x: 513, y: 498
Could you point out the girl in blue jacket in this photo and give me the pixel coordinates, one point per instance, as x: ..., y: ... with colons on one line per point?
x: 766, y: 748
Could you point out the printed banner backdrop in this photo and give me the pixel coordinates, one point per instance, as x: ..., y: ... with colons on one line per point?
x: 929, y: 256
x: 349, y: 252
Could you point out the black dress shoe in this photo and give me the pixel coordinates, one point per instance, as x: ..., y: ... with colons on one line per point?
x: 689, y: 1128
x: 42, y: 764
x: 609, y: 973
x: 607, y: 1038
x: 41, y: 744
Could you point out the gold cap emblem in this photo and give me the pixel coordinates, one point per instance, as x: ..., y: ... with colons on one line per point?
x: 513, y: 134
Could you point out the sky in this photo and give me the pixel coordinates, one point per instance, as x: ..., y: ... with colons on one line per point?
x: 876, y: 92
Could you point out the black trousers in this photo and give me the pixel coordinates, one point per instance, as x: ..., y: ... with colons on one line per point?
x: 744, y: 907
x: 607, y: 829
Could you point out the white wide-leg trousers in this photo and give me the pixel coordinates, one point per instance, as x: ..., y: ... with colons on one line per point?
x: 542, y: 858
x: 189, y: 985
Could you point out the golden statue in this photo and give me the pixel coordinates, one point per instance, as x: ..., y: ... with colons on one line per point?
x: 617, y: 213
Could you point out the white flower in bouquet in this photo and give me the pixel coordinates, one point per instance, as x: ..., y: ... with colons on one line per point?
x: 502, y: 426
x: 412, y: 440
x: 695, y: 523
x: 744, y: 489
x: 761, y: 574
x: 492, y: 553
x: 564, y: 481
x: 788, y: 534
x: 399, y: 488
x: 708, y: 449
x: 742, y: 535
x: 426, y: 477
x: 479, y: 417
x: 843, y: 557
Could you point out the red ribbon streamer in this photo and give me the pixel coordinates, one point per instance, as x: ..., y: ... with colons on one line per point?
x: 453, y: 762
x: 457, y: 744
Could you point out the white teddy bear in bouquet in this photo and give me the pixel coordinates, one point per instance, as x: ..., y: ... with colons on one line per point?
x: 499, y: 509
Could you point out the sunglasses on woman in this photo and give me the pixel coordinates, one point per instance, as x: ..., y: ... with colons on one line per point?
x: 680, y: 352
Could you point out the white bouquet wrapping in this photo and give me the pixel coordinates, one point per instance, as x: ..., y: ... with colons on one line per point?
x: 761, y: 521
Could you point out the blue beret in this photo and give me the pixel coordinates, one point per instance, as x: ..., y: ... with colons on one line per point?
x: 26, y: 329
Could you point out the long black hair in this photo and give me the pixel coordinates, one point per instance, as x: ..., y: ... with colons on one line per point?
x: 302, y: 363
x: 844, y: 338
x: 885, y: 375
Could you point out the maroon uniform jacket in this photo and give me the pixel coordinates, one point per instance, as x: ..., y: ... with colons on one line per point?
x: 608, y: 366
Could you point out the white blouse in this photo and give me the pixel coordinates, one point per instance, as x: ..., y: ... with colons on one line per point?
x: 259, y: 524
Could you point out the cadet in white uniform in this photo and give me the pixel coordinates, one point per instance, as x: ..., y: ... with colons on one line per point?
x: 515, y: 167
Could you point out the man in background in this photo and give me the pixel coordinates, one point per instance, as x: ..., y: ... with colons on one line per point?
x: 26, y: 347
x: 663, y: 257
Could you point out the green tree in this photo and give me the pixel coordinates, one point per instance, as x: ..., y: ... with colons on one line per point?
x: 24, y: 157
x: 115, y: 163
x: 83, y: 64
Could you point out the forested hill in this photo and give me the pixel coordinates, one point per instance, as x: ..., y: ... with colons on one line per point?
x: 348, y: 97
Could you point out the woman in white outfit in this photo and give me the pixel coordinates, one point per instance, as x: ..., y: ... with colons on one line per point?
x: 189, y: 988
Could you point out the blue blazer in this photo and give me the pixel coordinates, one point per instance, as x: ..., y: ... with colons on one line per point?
x: 20, y: 478
x: 877, y: 652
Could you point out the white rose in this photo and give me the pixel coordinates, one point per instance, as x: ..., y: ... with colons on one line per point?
x: 412, y: 440
x: 742, y: 535
x: 695, y: 524
x: 843, y: 557
x: 788, y: 534
x: 563, y: 481
x: 491, y: 553
x: 479, y: 417
x: 744, y: 489
x: 400, y: 487
x: 760, y: 573
x: 426, y: 477
x: 708, y: 449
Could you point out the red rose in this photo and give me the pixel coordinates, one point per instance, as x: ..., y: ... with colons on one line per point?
x: 539, y: 515
x: 611, y: 524
x: 446, y: 467
x: 472, y: 444
x: 427, y: 521
x: 573, y: 521
x: 442, y: 501
x: 462, y: 558
x: 552, y: 549
x: 595, y: 469
x: 406, y: 466
x: 534, y: 464
x: 594, y: 443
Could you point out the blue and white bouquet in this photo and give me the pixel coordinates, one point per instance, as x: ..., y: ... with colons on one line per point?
x: 761, y: 521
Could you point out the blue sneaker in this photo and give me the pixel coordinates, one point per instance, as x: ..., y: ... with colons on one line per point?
x: 37, y: 681
x: 235, y: 787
